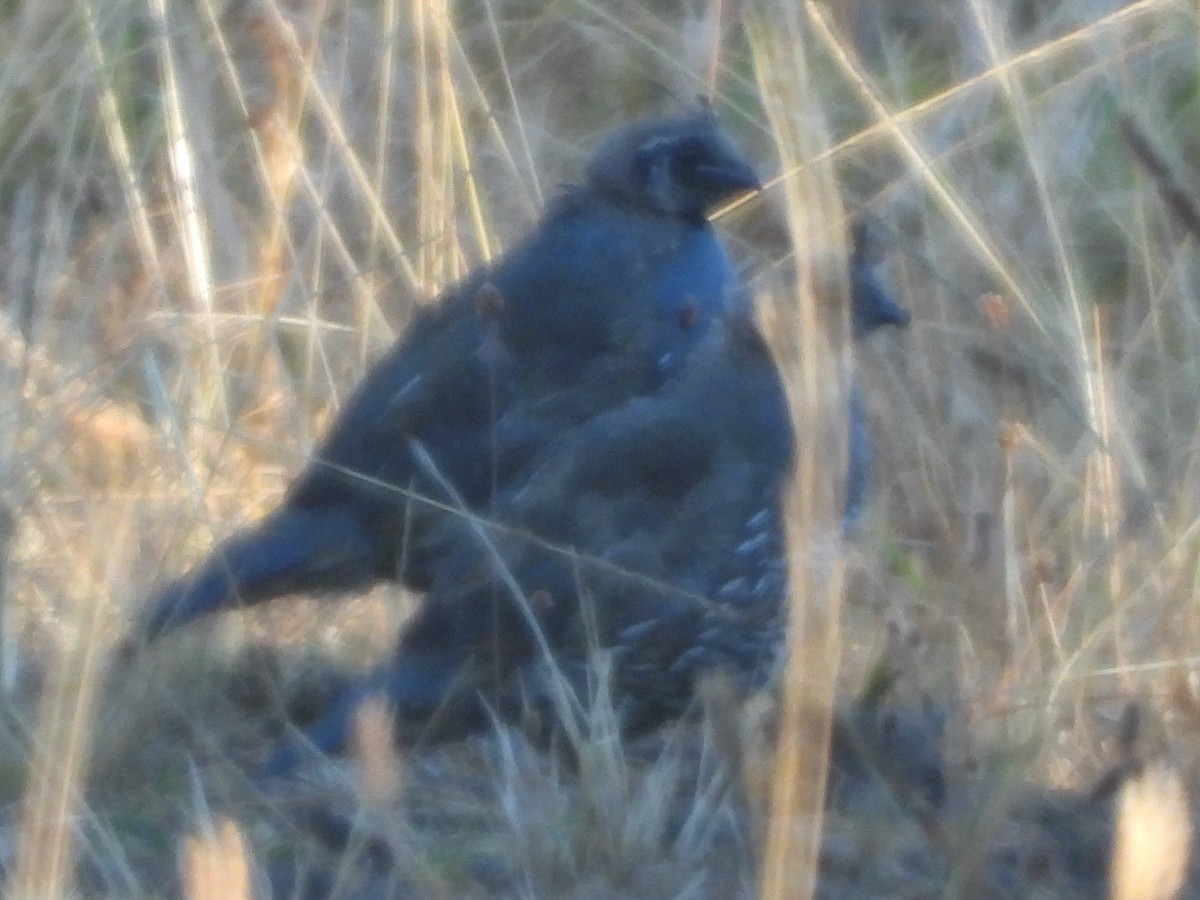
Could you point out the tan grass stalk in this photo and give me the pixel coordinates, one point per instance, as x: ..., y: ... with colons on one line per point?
x: 291, y: 66
x: 370, y: 316
x: 1087, y: 359
x: 52, y: 802
x: 647, y: 40
x: 427, y: 207
x: 189, y: 212
x: 282, y: 155
x: 389, y: 25
x: 442, y: 150
x: 327, y: 115
x: 9, y: 647
x: 1153, y: 837
x: 531, y: 169
x: 1048, y: 52
x: 379, y: 765
x: 922, y: 162
x: 900, y: 124
x: 119, y: 148
x: 463, y: 151
x: 1016, y: 613
x: 525, y: 173
x: 216, y: 864
x: 281, y: 158
x: 815, y: 222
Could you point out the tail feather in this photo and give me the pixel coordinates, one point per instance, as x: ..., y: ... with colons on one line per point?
x: 293, y: 550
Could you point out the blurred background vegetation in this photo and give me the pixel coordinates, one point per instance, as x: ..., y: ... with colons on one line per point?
x: 215, y: 215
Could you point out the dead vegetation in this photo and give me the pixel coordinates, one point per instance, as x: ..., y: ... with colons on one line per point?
x: 213, y: 216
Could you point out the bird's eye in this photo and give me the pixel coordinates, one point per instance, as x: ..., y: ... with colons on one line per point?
x: 681, y: 155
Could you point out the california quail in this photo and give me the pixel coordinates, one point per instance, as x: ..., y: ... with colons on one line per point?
x: 601, y: 302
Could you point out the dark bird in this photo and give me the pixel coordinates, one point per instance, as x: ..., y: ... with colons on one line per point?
x: 872, y: 307
x: 603, y: 301
x: 651, y: 533
x: 642, y: 492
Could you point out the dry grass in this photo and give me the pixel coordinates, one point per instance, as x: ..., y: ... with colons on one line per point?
x: 214, y: 216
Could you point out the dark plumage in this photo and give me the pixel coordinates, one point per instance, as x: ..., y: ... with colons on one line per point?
x: 639, y: 487
x: 872, y: 308
x: 602, y: 302
x: 672, y: 503
x: 899, y: 747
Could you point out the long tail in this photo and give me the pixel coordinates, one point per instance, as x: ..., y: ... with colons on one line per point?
x: 293, y: 550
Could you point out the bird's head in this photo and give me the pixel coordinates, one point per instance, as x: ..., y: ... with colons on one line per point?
x: 871, y: 304
x: 681, y: 167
